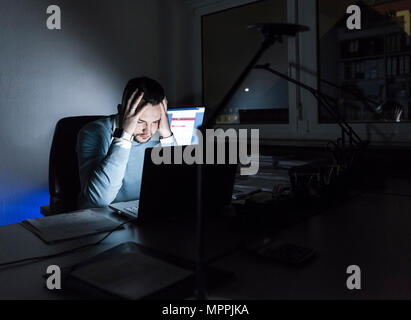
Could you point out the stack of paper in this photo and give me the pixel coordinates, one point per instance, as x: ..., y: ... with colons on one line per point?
x: 70, y: 225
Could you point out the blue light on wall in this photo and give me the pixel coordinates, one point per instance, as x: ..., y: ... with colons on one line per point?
x: 24, y: 207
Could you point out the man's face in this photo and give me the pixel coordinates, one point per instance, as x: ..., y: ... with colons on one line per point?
x: 148, y: 123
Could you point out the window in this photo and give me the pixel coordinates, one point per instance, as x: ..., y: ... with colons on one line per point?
x: 228, y: 46
x: 367, y: 71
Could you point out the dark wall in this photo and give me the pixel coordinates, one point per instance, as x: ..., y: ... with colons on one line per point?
x: 79, y: 70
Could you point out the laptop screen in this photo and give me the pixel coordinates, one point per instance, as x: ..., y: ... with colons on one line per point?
x: 183, y: 123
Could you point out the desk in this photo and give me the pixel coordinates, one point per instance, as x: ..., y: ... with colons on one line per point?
x: 170, y: 239
x: 372, y: 231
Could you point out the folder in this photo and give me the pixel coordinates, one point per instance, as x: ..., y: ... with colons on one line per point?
x: 70, y: 225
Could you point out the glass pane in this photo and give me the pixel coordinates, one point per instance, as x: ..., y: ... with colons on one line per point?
x: 367, y: 71
x: 228, y: 46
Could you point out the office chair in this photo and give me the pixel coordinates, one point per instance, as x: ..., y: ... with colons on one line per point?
x: 64, y: 180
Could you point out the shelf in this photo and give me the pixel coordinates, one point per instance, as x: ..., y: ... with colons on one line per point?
x: 390, y: 98
x: 372, y: 57
x: 377, y: 56
x: 364, y: 80
x: 397, y: 53
x: 400, y: 76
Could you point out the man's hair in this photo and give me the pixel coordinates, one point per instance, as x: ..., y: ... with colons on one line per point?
x: 153, y: 91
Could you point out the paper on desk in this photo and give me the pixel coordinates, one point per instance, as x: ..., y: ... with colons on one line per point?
x: 262, y: 184
x: 291, y: 163
x: 243, y: 191
x: 70, y: 225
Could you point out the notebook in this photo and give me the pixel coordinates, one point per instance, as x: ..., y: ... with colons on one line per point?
x: 70, y: 225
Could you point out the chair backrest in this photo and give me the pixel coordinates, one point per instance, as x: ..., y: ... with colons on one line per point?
x: 64, y: 179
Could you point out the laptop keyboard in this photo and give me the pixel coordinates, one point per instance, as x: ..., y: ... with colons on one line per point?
x: 132, y: 210
x: 128, y: 208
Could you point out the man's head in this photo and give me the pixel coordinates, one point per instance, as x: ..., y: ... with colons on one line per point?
x: 149, y: 107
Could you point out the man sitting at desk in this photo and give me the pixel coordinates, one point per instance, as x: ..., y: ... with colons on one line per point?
x: 111, y: 150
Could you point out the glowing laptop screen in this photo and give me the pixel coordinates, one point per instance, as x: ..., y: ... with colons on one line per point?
x: 183, y: 123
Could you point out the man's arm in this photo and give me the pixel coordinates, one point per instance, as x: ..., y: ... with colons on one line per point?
x: 102, y: 162
x: 102, y: 165
x: 166, y: 135
x: 168, y: 142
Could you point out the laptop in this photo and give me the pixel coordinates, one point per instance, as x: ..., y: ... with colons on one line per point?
x: 180, y: 179
x: 180, y: 198
x: 183, y: 123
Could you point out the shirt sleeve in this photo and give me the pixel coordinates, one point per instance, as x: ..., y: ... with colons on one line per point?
x: 102, y: 165
x: 168, y: 142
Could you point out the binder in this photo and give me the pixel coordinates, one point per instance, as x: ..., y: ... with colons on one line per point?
x: 401, y: 65
x: 394, y: 65
x: 389, y: 71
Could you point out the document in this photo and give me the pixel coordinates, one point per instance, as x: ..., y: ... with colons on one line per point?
x: 70, y: 225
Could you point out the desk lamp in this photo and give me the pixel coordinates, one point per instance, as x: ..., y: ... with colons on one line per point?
x: 272, y: 33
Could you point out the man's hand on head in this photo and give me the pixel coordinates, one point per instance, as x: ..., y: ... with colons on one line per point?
x: 164, y: 126
x: 129, y: 114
